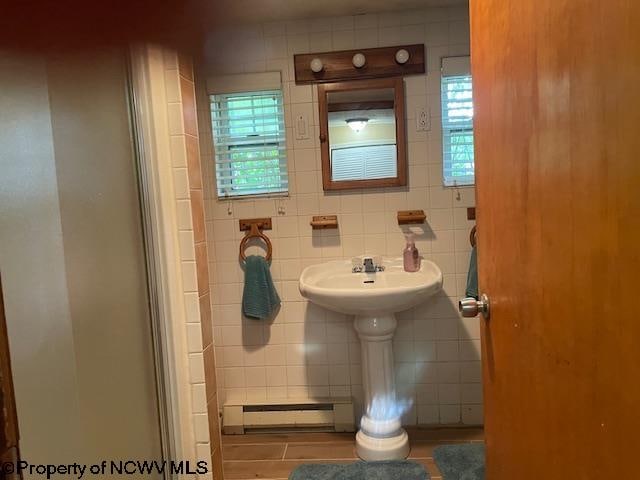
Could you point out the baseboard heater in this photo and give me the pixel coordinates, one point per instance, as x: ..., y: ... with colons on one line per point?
x: 335, y: 414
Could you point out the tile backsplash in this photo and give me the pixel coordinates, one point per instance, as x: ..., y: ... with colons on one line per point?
x: 307, y: 351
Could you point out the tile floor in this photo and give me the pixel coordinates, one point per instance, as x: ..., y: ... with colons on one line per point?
x: 274, y: 456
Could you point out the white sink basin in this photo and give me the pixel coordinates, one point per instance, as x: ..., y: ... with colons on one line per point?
x: 374, y: 298
x: 333, y: 286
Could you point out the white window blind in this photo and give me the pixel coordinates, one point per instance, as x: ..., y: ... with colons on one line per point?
x: 457, y: 122
x: 250, y: 145
x: 369, y: 161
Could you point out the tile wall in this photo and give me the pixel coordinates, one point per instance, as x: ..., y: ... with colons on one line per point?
x: 194, y: 263
x: 307, y: 351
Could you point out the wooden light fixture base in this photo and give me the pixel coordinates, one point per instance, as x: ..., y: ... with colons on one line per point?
x: 338, y: 66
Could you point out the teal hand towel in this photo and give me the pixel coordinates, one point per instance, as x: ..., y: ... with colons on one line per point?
x: 472, y: 275
x: 259, y: 298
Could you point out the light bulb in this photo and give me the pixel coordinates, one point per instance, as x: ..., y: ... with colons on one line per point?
x: 316, y: 65
x: 402, y: 56
x: 357, y: 124
x: 359, y: 60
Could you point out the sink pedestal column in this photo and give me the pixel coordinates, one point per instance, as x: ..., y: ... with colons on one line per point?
x: 381, y: 436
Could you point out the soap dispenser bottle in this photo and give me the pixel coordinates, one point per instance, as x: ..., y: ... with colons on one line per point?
x: 410, y: 255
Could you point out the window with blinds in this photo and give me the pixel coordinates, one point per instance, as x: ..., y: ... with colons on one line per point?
x: 358, y: 162
x: 457, y: 122
x: 250, y: 145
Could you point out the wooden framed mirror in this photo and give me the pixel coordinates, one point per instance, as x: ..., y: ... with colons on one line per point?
x: 362, y: 134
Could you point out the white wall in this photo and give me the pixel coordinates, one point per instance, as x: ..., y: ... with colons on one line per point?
x: 308, y: 351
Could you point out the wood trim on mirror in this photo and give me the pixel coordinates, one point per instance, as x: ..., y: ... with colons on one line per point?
x: 397, y: 84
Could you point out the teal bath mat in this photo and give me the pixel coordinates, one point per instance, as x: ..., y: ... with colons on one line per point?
x: 402, y: 470
x: 460, y: 462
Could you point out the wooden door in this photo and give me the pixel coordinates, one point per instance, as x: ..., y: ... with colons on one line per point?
x: 9, y: 436
x: 557, y: 131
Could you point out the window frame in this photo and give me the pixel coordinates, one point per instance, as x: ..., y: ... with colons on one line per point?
x: 221, y: 129
x: 456, y: 72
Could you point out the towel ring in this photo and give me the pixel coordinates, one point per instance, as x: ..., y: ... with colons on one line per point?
x: 255, y: 233
x: 472, y: 236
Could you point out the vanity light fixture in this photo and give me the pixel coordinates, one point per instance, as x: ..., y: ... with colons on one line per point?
x: 357, y: 124
x: 316, y: 65
x: 402, y: 56
x: 359, y: 60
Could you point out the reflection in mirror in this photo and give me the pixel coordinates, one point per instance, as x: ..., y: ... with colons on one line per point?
x: 362, y: 134
x: 362, y: 130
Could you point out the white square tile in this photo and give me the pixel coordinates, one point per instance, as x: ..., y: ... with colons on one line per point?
x: 320, y: 24
x: 203, y: 452
x: 428, y: 415
x: 273, y: 28
x: 296, y: 376
x: 425, y: 372
x: 186, y: 244
x: 296, y: 354
x: 307, y: 182
x: 338, y: 354
x: 199, y: 398
x: 276, y: 47
x: 320, y: 41
x: 196, y: 368
x: 470, y: 350
x: 172, y: 86
x: 369, y: 20
x: 339, y: 375
x: 301, y: 94
x: 425, y: 351
x: 274, y: 393
x: 405, y: 372
x: 189, y: 276
x: 192, y: 307
x: 183, y: 213
x: 255, y: 376
x: 471, y: 372
x: 437, y: 34
x: 194, y: 337
x: 426, y: 394
x: 449, y: 414
x: 448, y: 372
x: 276, y: 376
x: 175, y: 119
x: 232, y: 356
x: 254, y: 358
x: 471, y: 393
x: 447, y: 351
x: 178, y: 150
x: 275, y: 355
x: 234, y: 377
x: 318, y: 375
x: 256, y: 394
x: 366, y: 38
x: 342, y: 23
x: 297, y: 43
x: 201, y: 427
x: 343, y: 40
x: 472, y: 415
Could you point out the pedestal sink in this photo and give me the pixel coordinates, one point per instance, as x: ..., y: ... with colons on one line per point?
x: 374, y: 298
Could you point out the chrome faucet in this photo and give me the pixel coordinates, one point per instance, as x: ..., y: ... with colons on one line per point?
x: 368, y: 266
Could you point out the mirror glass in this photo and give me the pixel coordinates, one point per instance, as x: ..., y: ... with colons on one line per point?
x: 362, y: 134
